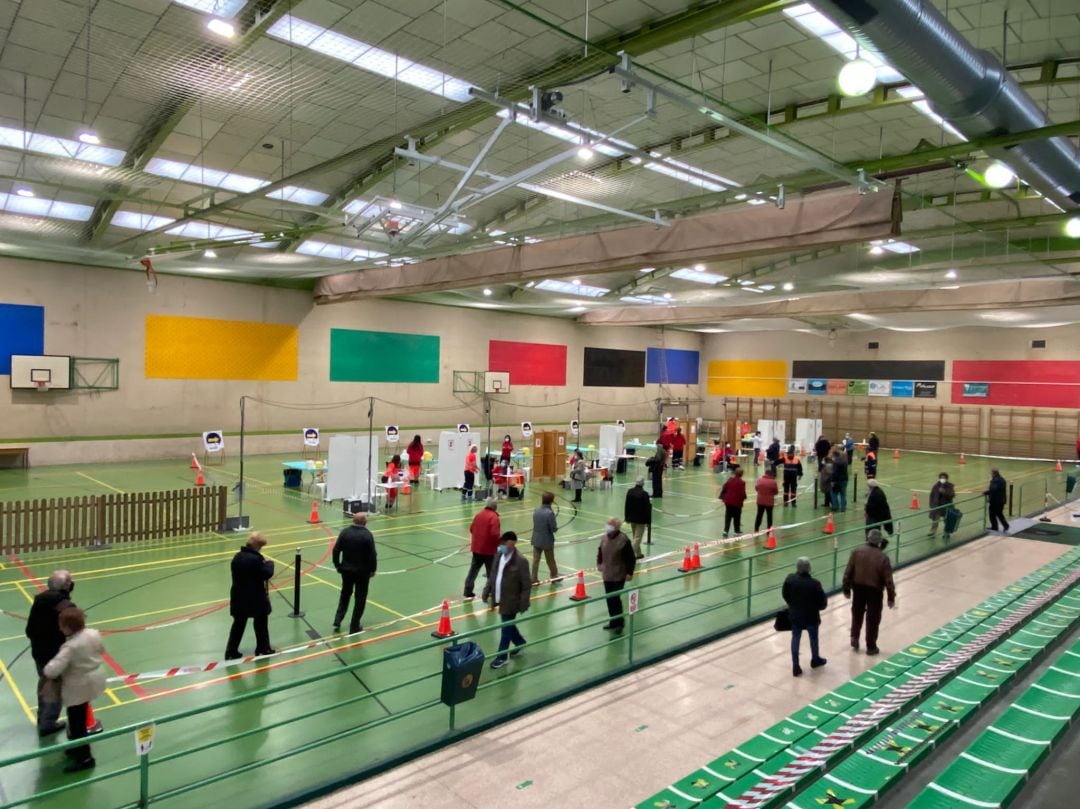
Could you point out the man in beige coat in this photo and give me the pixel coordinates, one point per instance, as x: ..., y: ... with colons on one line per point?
x: 78, y: 664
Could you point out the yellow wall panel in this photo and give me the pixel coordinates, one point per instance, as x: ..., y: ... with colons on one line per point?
x: 768, y: 378
x: 201, y: 348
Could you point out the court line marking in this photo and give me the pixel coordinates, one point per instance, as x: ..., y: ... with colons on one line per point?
x: 394, y: 612
x: 22, y: 590
x: 113, y: 697
x: 101, y: 483
x: 18, y: 694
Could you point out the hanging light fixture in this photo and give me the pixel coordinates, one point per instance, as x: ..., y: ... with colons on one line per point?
x: 998, y: 175
x: 857, y: 77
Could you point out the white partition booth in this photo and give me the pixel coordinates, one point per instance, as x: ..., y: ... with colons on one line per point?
x: 453, y: 448
x: 352, y: 465
x: 806, y: 434
x: 771, y: 429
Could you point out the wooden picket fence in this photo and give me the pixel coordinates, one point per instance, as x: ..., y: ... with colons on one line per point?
x: 67, y: 522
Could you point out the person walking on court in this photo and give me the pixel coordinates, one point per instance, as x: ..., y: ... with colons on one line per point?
x: 471, y: 469
x: 678, y: 447
x: 878, y: 513
x: 792, y: 474
x: 543, y: 539
x: 805, y: 598
x: 415, y: 453
x: 766, y: 496
x: 839, y: 481
x: 484, y: 542
x: 941, y: 499
x: 508, y: 589
x: 579, y: 473
x: 867, y: 577
x: 355, y: 560
x: 772, y: 454
x: 656, y: 465
x: 78, y: 667
x: 733, y: 495
x: 638, y: 513
x: 822, y: 448
x: 849, y: 448
x: 870, y: 464
x: 249, y: 597
x: 995, y: 500
x: 43, y: 630
x: 615, y: 561
x: 755, y: 442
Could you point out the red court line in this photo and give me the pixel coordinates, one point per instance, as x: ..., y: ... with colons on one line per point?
x: 110, y: 661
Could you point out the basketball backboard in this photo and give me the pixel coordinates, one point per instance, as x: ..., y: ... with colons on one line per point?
x: 496, y: 382
x: 40, y: 372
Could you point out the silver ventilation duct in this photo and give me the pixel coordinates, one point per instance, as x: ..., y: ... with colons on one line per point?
x: 967, y: 87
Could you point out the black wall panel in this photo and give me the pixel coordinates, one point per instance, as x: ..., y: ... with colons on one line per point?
x: 930, y: 370
x: 613, y: 368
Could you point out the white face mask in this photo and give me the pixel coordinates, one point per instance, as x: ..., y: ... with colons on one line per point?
x: 942, y: 480
x: 612, y: 530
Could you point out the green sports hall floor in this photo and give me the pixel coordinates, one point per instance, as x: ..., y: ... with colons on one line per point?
x: 164, y: 604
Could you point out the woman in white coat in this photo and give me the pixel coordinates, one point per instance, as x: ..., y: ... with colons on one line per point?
x: 78, y: 665
x: 579, y: 472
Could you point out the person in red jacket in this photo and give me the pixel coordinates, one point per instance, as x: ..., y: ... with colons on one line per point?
x: 507, y: 449
x: 415, y: 451
x: 471, y: 469
x: 392, y: 475
x: 678, y: 446
x: 484, y: 536
x: 733, y: 495
x: 766, y: 495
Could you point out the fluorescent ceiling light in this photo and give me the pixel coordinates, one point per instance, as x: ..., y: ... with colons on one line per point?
x: 139, y: 221
x: 89, y: 137
x: 746, y: 282
x: 660, y: 299
x: 36, y: 206
x: 585, y: 153
x: 1072, y: 227
x: 225, y: 9
x: 230, y: 181
x: 59, y: 147
x: 913, y: 92
x: 903, y: 248
x: 24, y: 192
x: 487, y: 292
x: 788, y: 287
x: 223, y: 28
x: 336, y: 251
x: 768, y: 287
x: 698, y: 276
x: 367, y: 57
x: 209, y: 254
x: 752, y: 289
x: 877, y: 250
x: 495, y: 233
x: 998, y: 175
x: 567, y: 288
x: 577, y: 310
x: 686, y: 177
x: 206, y: 230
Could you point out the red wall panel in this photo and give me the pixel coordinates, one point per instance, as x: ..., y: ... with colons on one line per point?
x: 528, y: 363
x: 1021, y: 383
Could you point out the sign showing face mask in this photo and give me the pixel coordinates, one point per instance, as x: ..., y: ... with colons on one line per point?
x: 463, y: 428
x: 575, y: 427
x: 213, y: 440
x: 526, y: 429
x: 620, y: 423
x: 311, y: 437
x: 392, y: 434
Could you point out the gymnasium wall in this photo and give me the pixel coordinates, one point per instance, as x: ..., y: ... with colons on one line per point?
x: 189, y: 351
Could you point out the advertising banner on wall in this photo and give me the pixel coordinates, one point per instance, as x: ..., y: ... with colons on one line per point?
x: 878, y: 387
x: 837, y: 387
x: 903, y: 389
x: 817, y: 386
x: 858, y: 387
x: 796, y: 386
x: 926, y: 390
x: 976, y: 390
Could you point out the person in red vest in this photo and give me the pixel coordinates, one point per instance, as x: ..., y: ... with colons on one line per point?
x: 415, y: 451
x: 717, y: 460
x: 471, y: 469
x: 392, y: 475
x: 733, y: 495
x: 678, y: 446
x: 507, y: 449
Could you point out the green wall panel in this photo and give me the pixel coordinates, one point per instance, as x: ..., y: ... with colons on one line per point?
x: 381, y: 356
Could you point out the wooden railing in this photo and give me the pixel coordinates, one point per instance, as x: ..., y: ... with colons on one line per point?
x: 66, y: 522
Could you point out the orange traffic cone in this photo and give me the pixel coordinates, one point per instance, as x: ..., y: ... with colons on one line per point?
x: 405, y: 486
x: 314, y: 518
x: 770, y: 543
x: 830, y: 526
x: 579, y: 590
x: 93, y: 724
x: 896, y: 454
x: 915, y: 501
x: 695, y: 557
x: 962, y: 459
x: 199, y: 479
x: 444, y: 630
x: 194, y: 463
x: 1057, y: 467
x: 687, y: 562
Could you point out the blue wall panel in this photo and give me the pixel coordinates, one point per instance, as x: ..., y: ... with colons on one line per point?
x: 672, y: 366
x: 22, y: 331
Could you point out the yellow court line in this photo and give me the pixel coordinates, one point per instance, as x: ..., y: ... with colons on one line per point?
x: 18, y: 693
x: 113, y: 697
x: 101, y: 483
x: 369, y: 601
x: 18, y: 584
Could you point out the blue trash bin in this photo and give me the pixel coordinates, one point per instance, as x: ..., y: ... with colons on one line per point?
x: 462, y: 665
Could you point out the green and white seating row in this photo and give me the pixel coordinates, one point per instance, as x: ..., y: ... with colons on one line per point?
x: 861, y: 779
x: 740, y: 769
x: 995, y: 767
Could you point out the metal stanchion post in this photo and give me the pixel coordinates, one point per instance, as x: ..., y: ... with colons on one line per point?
x: 296, y: 613
x: 749, y: 585
x: 855, y: 490
x: 1011, y: 499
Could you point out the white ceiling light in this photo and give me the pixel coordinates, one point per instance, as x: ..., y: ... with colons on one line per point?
x: 231, y: 181
x: 877, y: 250
x: 209, y: 254
x: 20, y: 139
x: 951, y: 274
x: 567, y: 288
x: 900, y: 247
x: 667, y: 296
x: 585, y: 153
x: 647, y: 269
x: 35, y: 206
x: 577, y: 310
x: 788, y: 287
x: 655, y: 299
x: 223, y: 28
x: 698, y: 276
x: 1072, y: 227
x: 24, y: 192
x: 225, y: 9
x: 395, y: 204
x: 90, y: 138
x: 367, y: 57
x: 768, y: 287
x: 699, y: 267
x: 755, y: 201
x: 487, y: 292
x: 998, y: 175
x: 857, y: 78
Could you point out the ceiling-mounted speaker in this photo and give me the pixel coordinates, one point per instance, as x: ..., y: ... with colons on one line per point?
x: 872, y: 345
x: 1038, y: 343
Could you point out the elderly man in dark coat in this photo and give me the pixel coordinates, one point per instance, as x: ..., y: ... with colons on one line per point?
x: 43, y: 630
x: 250, y: 597
x: 805, y: 598
x: 638, y: 513
x: 508, y: 589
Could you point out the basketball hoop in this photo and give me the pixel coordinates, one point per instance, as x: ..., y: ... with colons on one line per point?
x: 496, y: 386
x: 41, y: 386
